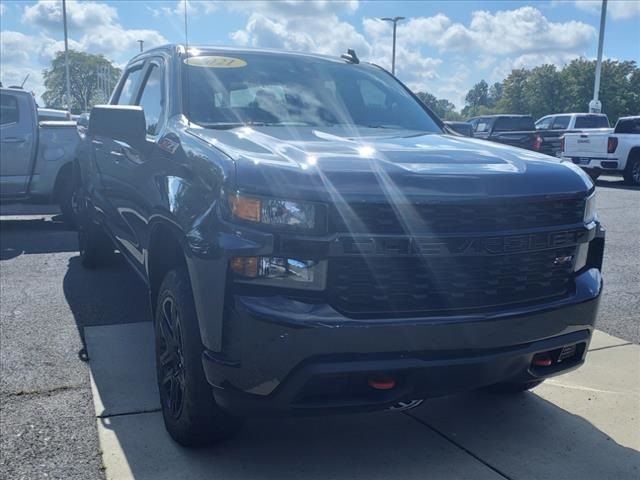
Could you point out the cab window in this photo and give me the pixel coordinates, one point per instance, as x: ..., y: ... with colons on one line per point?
x: 561, y: 122
x: 8, y: 109
x: 151, y: 99
x: 544, y: 123
x: 127, y: 92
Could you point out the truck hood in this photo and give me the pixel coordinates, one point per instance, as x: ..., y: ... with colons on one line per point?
x: 344, y: 164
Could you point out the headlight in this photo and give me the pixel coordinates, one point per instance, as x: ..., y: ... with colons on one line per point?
x: 280, y: 272
x: 276, y: 212
x: 590, y: 208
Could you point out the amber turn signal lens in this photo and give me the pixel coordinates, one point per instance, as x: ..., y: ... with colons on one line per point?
x: 246, y: 266
x: 245, y: 208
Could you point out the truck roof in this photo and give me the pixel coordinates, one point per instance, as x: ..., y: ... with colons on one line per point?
x: 199, y: 49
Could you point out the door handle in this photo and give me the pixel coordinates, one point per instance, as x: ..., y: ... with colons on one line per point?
x: 14, y: 140
x: 117, y: 156
x: 97, y: 143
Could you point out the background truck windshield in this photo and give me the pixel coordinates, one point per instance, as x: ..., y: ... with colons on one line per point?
x: 287, y: 90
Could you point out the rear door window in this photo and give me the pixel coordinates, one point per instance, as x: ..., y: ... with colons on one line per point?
x: 630, y: 125
x: 544, y: 123
x: 513, y: 124
x: 561, y: 122
x: 8, y: 109
x: 592, y: 121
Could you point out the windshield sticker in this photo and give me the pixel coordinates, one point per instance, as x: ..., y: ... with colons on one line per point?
x: 215, y: 62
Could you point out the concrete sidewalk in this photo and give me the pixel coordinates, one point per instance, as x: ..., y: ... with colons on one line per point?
x: 583, y: 425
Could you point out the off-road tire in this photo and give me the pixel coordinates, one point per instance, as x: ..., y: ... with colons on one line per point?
x: 191, y: 417
x: 67, y: 195
x: 632, y: 171
x: 594, y: 173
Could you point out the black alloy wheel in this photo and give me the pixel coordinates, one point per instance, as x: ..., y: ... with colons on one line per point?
x: 171, y: 358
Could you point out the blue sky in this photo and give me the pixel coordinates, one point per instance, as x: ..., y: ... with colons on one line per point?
x: 443, y: 47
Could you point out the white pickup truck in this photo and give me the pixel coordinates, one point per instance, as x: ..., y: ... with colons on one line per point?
x: 36, y: 158
x: 616, y: 152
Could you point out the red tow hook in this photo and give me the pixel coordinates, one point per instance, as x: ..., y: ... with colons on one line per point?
x: 541, y: 360
x: 382, y: 382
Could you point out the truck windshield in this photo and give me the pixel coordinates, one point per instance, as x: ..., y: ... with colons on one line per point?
x: 288, y: 90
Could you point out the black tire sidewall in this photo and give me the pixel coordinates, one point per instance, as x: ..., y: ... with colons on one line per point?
x: 628, y: 173
x: 200, y: 420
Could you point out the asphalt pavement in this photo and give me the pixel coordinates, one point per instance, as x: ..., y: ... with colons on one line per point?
x: 47, y: 419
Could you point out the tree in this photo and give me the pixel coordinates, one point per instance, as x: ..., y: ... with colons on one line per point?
x: 441, y: 107
x: 514, y: 92
x: 478, y: 95
x: 83, y: 77
x: 495, y: 94
x: 543, y: 92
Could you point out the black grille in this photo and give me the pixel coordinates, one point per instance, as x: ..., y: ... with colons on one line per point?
x: 383, y: 218
x: 403, y: 286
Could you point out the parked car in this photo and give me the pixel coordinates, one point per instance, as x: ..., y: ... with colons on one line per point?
x: 552, y: 127
x: 603, y: 152
x: 53, y: 115
x: 514, y: 130
x: 36, y: 159
x: 313, y: 242
x: 463, y: 128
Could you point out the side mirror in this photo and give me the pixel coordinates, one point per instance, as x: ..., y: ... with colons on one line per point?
x: 124, y: 123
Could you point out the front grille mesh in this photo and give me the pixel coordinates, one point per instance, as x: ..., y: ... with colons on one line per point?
x: 382, y: 285
x: 508, y: 214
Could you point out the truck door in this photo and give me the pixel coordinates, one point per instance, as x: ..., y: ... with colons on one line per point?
x: 104, y: 154
x: 133, y: 184
x: 18, y: 139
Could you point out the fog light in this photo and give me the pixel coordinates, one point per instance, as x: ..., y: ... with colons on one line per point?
x: 279, y: 271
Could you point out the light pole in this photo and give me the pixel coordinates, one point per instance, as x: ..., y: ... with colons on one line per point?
x: 395, y: 21
x: 595, y: 106
x: 141, y: 42
x: 66, y: 54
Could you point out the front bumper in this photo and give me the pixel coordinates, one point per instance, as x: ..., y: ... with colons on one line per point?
x: 284, y: 356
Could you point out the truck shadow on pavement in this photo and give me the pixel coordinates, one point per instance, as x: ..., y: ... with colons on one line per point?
x: 109, y: 295
x: 492, y: 437
x: 28, y: 236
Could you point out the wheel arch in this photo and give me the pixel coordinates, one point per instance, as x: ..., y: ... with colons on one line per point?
x: 65, y: 172
x: 165, y: 252
x: 633, y: 153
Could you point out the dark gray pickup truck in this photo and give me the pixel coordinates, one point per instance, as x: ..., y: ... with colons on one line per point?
x: 313, y: 242
x: 514, y: 130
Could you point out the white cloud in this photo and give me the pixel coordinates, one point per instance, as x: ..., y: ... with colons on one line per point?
x: 320, y: 34
x: 94, y: 25
x: 524, y: 29
x: 80, y: 16
x: 617, y: 10
x: 294, y: 8
x: 194, y: 7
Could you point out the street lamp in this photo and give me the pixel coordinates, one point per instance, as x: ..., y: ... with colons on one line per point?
x: 595, y: 106
x: 395, y: 21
